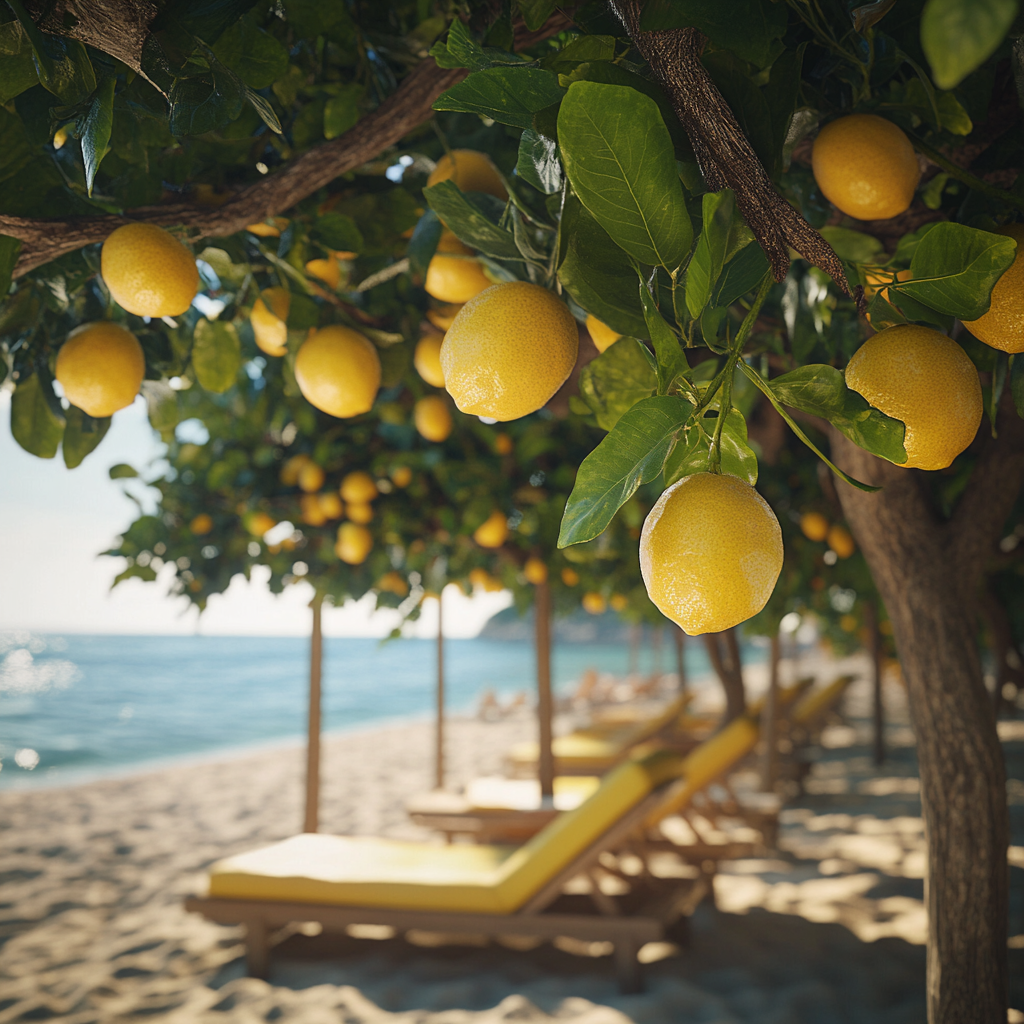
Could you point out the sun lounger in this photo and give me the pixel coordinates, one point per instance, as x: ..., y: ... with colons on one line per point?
x: 809, y: 718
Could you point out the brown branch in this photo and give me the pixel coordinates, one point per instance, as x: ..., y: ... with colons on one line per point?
x: 727, y: 160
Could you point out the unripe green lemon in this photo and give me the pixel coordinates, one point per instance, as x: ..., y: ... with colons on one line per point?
x: 710, y: 552
x: 100, y: 367
x: 509, y: 350
x: 148, y: 271
x: 338, y: 371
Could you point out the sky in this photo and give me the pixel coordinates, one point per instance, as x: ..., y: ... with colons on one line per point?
x: 54, y: 522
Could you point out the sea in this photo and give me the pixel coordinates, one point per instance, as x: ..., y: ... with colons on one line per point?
x: 77, y: 707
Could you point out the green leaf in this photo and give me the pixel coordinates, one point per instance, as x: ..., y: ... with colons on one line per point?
x: 82, y: 434
x: 204, y: 104
x: 207, y: 19
x: 536, y: 12
x: 752, y: 29
x: 671, y: 360
x: 338, y: 231
x: 263, y: 107
x: 616, y: 380
x: 852, y: 246
x: 747, y: 102
x: 506, y: 95
x: 94, y: 130
x: 821, y: 390
x: 254, y: 55
x: 423, y: 244
x: 146, y: 573
x: 633, y: 453
x: 64, y: 69
x: 538, y: 163
x: 958, y: 36
x: 598, y: 274
x: 693, y: 453
x: 619, y: 158
x: 9, y: 250
x: 341, y: 111
x: 122, y: 471
x: 461, y: 50
x: 709, y: 257
x: 17, y: 69
x: 463, y: 214
x: 954, y: 269
x: 742, y: 274
x: 216, y: 354
x: 303, y: 313
x: 33, y: 423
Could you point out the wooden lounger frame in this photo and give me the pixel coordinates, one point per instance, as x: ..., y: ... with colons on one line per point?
x: 657, y: 904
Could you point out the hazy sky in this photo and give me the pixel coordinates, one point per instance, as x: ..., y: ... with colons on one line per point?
x: 55, y: 521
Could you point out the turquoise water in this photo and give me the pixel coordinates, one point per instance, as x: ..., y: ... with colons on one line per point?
x: 73, y: 707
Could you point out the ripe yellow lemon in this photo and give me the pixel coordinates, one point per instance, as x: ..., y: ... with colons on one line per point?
x: 354, y: 543
x: 311, y: 477
x: 451, y: 277
x: 814, y: 526
x: 427, y: 359
x: 923, y: 378
x: 100, y: 367
x: 535, y: 571
x: 509, y: 350
x: 359, y: 512
x: 471, y: 171
x: 290, y: 470
x: 483, y: 579
x: 840, y: 541
x: 570, y: 577
x: 327, y: 271
x: 270, y: 228
x: 601, y: 334
x: 618, y: 602
x: 257, y: 523
x: 393, y: 583
x: 594, y: 603
x: 358, y: 486
x: 201, y: 525
x: 493, y: 531
x: 148, y: 271
x: 433, y: 418
x: 401, y: 476
x: 338, y: 371
x: 311, y: 512
x: 330, y: 505
x: 710, y: 552
x: 1002, y: 326
x: 442, y: 318
x: 866, y: 166
x: 268, y: 316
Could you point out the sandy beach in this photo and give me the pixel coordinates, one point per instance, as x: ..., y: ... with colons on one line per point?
x: 828, y: 929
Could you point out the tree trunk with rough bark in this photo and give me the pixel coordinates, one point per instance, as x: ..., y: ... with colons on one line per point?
x: 724, y: 654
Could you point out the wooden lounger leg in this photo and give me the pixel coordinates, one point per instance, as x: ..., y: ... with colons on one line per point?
x: 257, y: 947
x: 627, y: 966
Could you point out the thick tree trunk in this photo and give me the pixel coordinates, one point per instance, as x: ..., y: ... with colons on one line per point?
x: 928, y: 573
x: 724, y: 653
x: 878, y: 707
x: 680, y: 644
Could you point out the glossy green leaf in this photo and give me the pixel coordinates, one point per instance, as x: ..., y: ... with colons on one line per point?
x: 207, y: 19
x: 960, y: 35
x: 852, y: 246
x: 33, y: 423
x: 254, y: 55
x: 94, y: 129
x: 423, y: 244
x: 742, y: 274
x: 709, y: 256
x: 693, y: 453
x: 82, y: 434
x: 204, y: 104
x: 17, y: 69
x: 821, y: 390
x: 619, y: 158
x: 536, y: 12
x: 538, y: 163
x: 671, y: 360
x: 955, y: 267
x: 341, y: 111
x: 265, y: 109
x: 461, y: 50
x: 633, y: 453
x: 122, y: 471
x: 216, y: 354
x: 64, y: 68
x: 338, y: 231
x: 463, y: 214
x: 616, y: 380
x: 506, y: 95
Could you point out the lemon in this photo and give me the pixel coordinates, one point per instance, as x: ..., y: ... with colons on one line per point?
x: 485, y: 581
x: 618, y: 602
x: 330, y: 505
x: 358, y: 486
x: 814, y: 526
x: 710, y: 552
x: 493, y: 531
x: 60, y: 136
x: 921, y: 377
x: 148, y: 271
x: 401, y: 476
x: 1002, y: 326
x: 601, y: 334
x: 433, y: 418
x: 509, y: 350
x: 865, y: 166
x: 359, y: 511
x: 450, y: 277
x: 535, y: 571
x: 257, y: 523
x: 593, y: 603
x: 427, y: 359
x: 270, y: 228
x: 840, y: 541
x: 442, y: 318
x: 503, y: 444
x: 327, y: 271
x: 312, y: 513
x: 338, y: 371
x: 268, y: 316
x: 471, y: 171
x: 290, y: 470
x: 393, y: 583
x: 354, y: 543
x: 570, y: 577
x: 201, y: 525
x: 311, y: 477
x: 100, y: 367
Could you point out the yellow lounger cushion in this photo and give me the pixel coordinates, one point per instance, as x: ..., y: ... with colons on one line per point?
x: 495, y: 793
x: 368, y: 872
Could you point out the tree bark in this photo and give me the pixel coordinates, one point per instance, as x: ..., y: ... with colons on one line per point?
x: 311, y: 821
x: 723, y: 651
x: 928, y: 573
x: 680, y: 643
x: 769, y: 717
x: 545, y: 758
x: 878, y: 708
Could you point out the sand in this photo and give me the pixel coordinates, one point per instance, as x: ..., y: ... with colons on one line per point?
x: 829, y: 929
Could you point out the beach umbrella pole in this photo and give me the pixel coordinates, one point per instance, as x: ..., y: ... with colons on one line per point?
x: 439, y: 737
x: 316, y: 655
x: 545, y: 757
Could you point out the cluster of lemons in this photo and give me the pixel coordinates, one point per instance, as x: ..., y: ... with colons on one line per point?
x: 814, y: 526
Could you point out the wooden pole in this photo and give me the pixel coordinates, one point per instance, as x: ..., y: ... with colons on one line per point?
x: 545, y: 758
x: 769, y: 718
x: 680, y: 639
x: 439, y: 755
x: 875, y: 639
x: 316, y: 657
